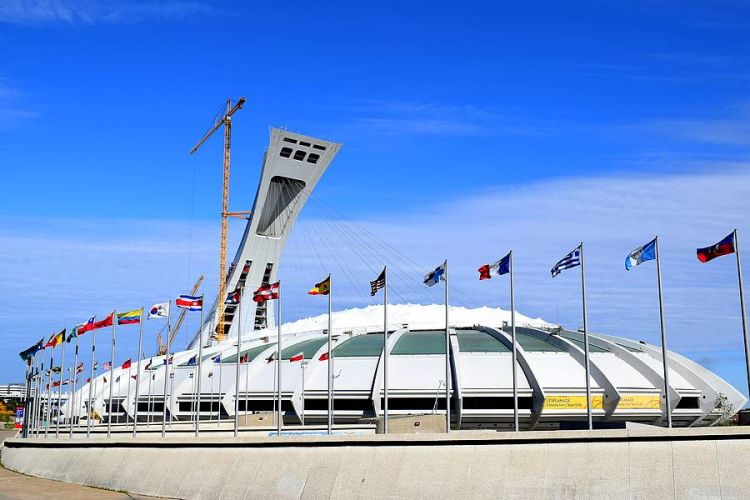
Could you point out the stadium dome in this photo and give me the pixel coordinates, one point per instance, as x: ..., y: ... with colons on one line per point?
x: 626, y: 375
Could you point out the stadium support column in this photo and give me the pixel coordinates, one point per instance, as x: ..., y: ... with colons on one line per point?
x: 586, y: 344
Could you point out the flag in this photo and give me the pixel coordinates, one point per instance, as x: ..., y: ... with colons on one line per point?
x: 323, y: 357
x: 55, y: 339
x: 56, y: 383
x: 148, y: 365
x: 573, y: 259
x: 160, y: 310
x: 74, y: 332
x: 297, y: 357
x: 322, y: 288
x: 641, y: 254
x: 117, y: 380
x: 96, y: 366
x: 56, y: 369
x: 27, y: 354
x: 432, y: 278
x: 127, y: 364
x: 499, y: 268
x: 193, y: 361
x: 271, y: 358
x: 79, y: 368
x: 244, y: 358
x: 377, y: 283
x: 168, y: 361
x: 108, y: 321
x: 189, y: 302
x: 107, y: 365
x: 134, y: 377
x: 266, y: 292
x: 233, y: 297
x: 217, y: 358
x: 88, y: 326
x: 724, y: 247
x: 130, y: 317
x: 210, y: 374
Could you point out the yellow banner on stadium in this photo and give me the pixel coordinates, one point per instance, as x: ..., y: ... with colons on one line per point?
x: 639, y: 402
x: 560, y: 402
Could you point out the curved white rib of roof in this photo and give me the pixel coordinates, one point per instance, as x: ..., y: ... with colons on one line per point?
x: 417, y: 316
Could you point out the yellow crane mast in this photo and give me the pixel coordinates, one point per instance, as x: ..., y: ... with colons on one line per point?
x: 226, y: 120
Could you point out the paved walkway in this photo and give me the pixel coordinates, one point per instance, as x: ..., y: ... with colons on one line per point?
x: 17, y: 486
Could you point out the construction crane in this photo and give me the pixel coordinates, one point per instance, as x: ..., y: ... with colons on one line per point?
x: 162, y: 347
x: 225, y: 119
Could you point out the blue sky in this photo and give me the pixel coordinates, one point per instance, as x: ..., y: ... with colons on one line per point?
x: 468, y: 129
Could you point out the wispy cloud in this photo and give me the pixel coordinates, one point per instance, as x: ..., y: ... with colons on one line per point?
x: 11, y: 104
x: 433, y: 118
x: 56, y: 272
x: 97, y: 11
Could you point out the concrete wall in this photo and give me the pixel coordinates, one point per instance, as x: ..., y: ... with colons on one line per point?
x: 685, y: 463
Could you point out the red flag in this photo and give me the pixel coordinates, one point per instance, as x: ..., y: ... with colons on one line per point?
x: 127, y: 364
x: 323, y: 357
x: 244, y: 358
x: 297, y: 357
x: 103, y: 323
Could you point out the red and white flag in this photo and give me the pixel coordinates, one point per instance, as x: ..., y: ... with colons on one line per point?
x: 189, y: 302
x: 266, y: 292
x: 127, y: 364
x: 297, y: 357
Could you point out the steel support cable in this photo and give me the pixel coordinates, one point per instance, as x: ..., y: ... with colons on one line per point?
x: 342, y: 263
x: 416, y: 266
x: 359, y: 251
x: 397, y: 271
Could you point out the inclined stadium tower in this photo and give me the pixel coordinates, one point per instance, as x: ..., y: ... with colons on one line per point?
x: 626, y: 376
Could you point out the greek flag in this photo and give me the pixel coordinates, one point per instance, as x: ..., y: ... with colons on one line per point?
x: 573, y: 259
x: 641, y: 254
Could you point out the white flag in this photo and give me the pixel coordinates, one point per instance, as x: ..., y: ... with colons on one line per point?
x: 159, y: 310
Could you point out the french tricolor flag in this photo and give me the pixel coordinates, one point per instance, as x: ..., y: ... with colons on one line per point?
x: 189, y: 302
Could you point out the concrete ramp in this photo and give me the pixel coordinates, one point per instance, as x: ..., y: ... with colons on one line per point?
x: 659, y: 463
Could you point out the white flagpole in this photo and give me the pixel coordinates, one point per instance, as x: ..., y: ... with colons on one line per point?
x: 665, y: 364
x: 35, y: 414
x: 200, y: 373
x: 166, y: 371
x: 38, y: 411
x: 73, y: 409
x: 27, y: 392
x: 89, y: 410
x: 278, y: 362
x: 513, y: 342
x: 48, y: 405
x: 586, y: 344
x: 330, y: 361
x: 150, y: 405
x: 237, y: 367
x: 218, y: 411
x: 130, y: 377
x: 385, y: 350
x: 303, y: 366
x: 111, y: 371
x: 447, y: 357
x: 138, y: 375
x: 247, y: 391
x: 60, y: 388
x: 742, y: 307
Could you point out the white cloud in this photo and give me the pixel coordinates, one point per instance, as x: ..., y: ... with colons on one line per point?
x: 56, y: 272
x: 96, y: 11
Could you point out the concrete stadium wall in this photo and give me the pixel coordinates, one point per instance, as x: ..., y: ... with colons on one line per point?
x: 685, y: 463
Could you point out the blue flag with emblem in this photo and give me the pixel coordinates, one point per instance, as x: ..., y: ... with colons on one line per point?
x: 641, y: 254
